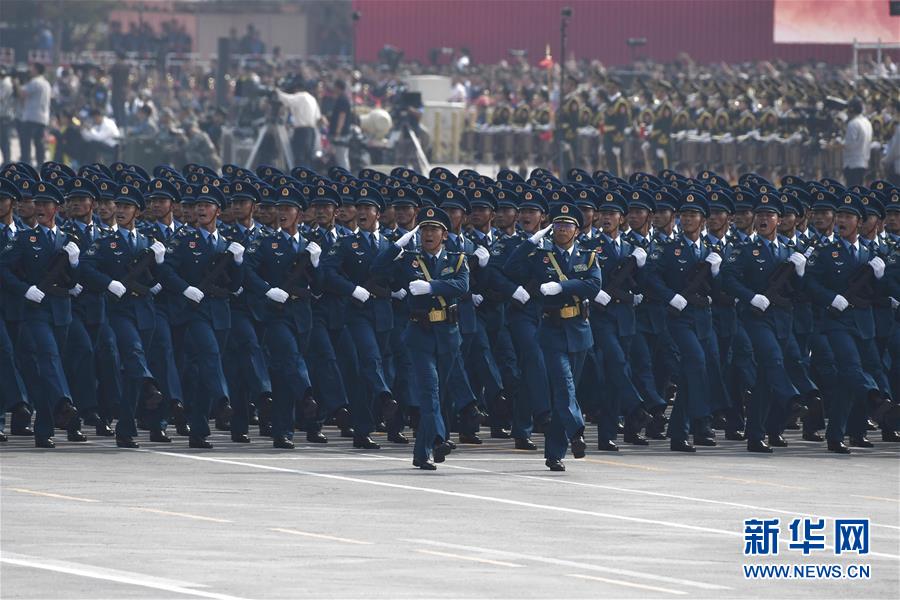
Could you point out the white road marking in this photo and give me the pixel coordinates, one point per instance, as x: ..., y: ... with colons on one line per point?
x: 498, y: 563
x: 628, y: 584
x: 51, y: 495
x: 320, y: 536
x: 179, y: 514
x: 571, y: 564
x: 126, y: 577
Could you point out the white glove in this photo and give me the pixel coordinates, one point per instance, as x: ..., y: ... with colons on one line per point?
x: 76, y: 291
x: 34, y: 294
x: 419, y: 287
x: 156, y: 289
x: 483, y: 255
x: 277, y: 295
x: 193, y: 294
x: 551, y: 288
x: 521, y: 295
x: 238, y: 252
x: 894, y: 303
x: 116, y: 288
x: 678, y: 302
x: 715, y: 261
x: 877, y: 265
x: 640, y: 255
x: 799, y: 263
x: 361, y: 293
x: 159, y: 252
x: 638, y: 298
x: 315, y: 251
x: 537, y: 237
x: 406, y: 238
x: 72, y: 250
x: 602, y: 298
x: 840, y: 303
x: 760, y: 302
x: 477, y: 299
x: 399, y: 294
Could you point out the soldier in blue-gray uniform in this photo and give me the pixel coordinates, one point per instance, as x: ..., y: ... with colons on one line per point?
x: 205, y: 269
x: 568, y: 279
x: 41, y: 265
x: 435, y: 279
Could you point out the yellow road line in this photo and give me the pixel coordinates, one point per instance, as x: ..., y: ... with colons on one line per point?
x: 50, y: 495
x: 321, y: 536
x: 758, y: 482
x: 875, y: 498
x: 616, y: 463
x: 498, y: 563
x: 639, y: 586
x: 179, y: 514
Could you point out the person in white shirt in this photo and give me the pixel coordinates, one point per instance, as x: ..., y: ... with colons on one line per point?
x: 102, y: 136
x: 891, y: 158
x: 34, y: 99
x: 857, y: 144
x: 305, y: 115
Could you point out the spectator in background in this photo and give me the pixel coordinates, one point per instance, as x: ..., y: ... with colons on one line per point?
x: 102, y: 137
x: 305, y: 116
x: 340, y: 124
x: 119, y: 73
x: 144, y: 125
x: 458, y: 92
x: 857, y: 144
x: 7, y: 115
x: 34, y: 98
x: 892, y: 152
x: 199, y: 148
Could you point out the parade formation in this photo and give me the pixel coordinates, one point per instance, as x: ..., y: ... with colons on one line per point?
x: 661, y: 307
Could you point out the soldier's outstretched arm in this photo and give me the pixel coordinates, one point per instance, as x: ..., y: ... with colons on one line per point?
x: 733, y: 275
x: 454, y: 286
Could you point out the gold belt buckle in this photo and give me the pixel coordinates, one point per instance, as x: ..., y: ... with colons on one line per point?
x: 569, y: 312
x: 437, y: 315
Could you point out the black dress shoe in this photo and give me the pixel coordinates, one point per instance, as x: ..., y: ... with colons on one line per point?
x: 22, y: 430
x: 183, y: 429
x: 44, y: 443
x: 704, y: 441
x: 265, y: 429
x: 838, y: 447
x: 871, y: 425
x: 3, y: 437
x: 365, y: 442
x: 758, y: 446
x: 860, y: 442
x: 525, y: 444
x: 554, y: 464
x: 735, y: 436
x: 719, y: 422
x: 222, y: 424
x: 639, y: 418
x: 579, y: 447
x: 813, y: 437
x: 342, y: 418
x: 469, y: 438
x: 389, y: 408
x: 542, y: 419
x: 777, y: 441
x: 889, y: 435
x: 656, y: 429
x: 283, y: 443
x: 92, y: 418
x: 426, y: 465
x: 451, y: 443
x: 309, y: 408
x: 607, y: 446
x: 195, y: 442
x: 441, y: 451
x: 632, y: 437
x: 397, y: 438
x: 498, y: 433
x: 160, y: 436
x: 348, y: 433
x: 381, y: 427
x: 240, y: 438
x: 316, y: 437
x: 103, y: 430
x: 681, y: 446
x: 64, y: 414
x: 126, y: 442
x: 76, y: 436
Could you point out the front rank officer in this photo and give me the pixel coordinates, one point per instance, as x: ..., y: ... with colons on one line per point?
x: 435, y: 280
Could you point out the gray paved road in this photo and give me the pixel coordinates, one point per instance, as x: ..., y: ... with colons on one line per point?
x: 92, y: 521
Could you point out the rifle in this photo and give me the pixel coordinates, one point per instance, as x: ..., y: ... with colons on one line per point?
x: 140, y: 265
x: 697, y: 289
x: 52, y: 281
x: 618, y: 284
x: 860, y: 290
x: 211, y: 285
x: 779, y: 290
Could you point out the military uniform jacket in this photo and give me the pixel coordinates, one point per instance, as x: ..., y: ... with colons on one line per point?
x: 270, y: 261
x: 25, y: 262
x: 463, y: 245
x: 449, y: 280
x: 620, y: 314
x: 188, y: 261
x: 90, y: 305
x: 747, y: 271
x: 667, y: 270
x: 110, y: 258
x: 530, y: 266
x: 246, y: 303
x: 349, y: 264
x: 328, y: 308
x: 498, y: 288
x: 12, y: 305
x: 724, y: 314
x: 828, y: 272
x: 650, y: 315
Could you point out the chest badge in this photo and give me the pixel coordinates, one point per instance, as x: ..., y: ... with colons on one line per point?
x: 677, y: 252
x: 192, y: 245
x: 756, y: 252
x: 834, y: 254
x: 32, y: 239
